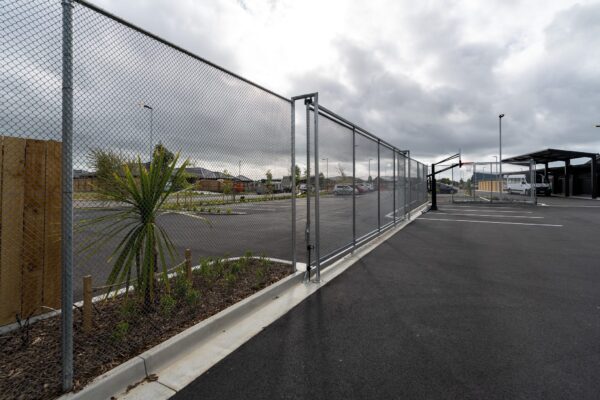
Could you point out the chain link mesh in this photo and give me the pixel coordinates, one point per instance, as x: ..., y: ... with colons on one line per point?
x: 482, y: 182
x: 30, y: 171
x: 170, y: 154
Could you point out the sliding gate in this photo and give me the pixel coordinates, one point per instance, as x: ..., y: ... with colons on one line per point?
x: 348, y: 185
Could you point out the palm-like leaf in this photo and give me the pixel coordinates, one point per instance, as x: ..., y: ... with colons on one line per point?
x: 145, y: 245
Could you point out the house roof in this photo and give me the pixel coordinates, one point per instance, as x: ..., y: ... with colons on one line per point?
x: 243, y: 178
x: 201, y: 173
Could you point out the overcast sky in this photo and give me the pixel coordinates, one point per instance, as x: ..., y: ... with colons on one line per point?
x: 431, y: 76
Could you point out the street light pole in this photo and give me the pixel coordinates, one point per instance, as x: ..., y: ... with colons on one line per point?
x: 500, y: 140
x: 146, y: 106
x: 326, y: 173
x: 326, y: 168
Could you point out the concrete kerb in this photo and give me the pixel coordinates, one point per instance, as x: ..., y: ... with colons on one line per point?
x: 161, y: 356
x: 119, y: 378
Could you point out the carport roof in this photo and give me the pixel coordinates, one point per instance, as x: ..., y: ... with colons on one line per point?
x: 548, y: 155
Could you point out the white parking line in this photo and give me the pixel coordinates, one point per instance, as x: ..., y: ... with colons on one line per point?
x: 485, y: 222
x: 567, y: 206
x: 483, y: 208
x: 491, y: 207
x: 491, y: 215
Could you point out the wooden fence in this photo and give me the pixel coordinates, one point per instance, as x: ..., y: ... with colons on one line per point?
x: 30, y: 227
x: 489, y: 186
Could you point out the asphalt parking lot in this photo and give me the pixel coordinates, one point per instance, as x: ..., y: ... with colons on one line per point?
x: 264, y: 228
x: 470, y: 302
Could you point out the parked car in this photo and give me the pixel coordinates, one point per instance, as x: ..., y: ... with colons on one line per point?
x: 344, y: 189
x: 369, y: 187
x: 263, y: 188
x: 447, y: 189
x: 362, y: 188
x: 520, y: 184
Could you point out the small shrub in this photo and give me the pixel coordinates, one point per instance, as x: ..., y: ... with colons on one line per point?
x: 229, y: 211
x: 245, y: 259
x: 260, y: 274
x: 167, y: 305
x: 120, y: 331
x: 230, y: 279
x: 192, y: 297
x: 181, y: 285
x: 236, y: 267
x: 129, y: 310
x: 203, y: 266
x: 264, y: 261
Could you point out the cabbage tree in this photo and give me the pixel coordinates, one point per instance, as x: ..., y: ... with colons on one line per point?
x: 144, y: 247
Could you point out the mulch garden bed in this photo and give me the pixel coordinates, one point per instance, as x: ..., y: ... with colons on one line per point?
x: 30, y: 359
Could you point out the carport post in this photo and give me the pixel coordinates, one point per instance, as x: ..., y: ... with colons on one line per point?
x: 594, y: 177
x: 433, y: 189
x: 567, y: 171
x: 354, y: 187
x: 533, y: 190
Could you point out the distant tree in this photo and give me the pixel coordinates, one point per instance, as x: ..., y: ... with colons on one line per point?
x: 269, y: 182
x: 179, y: 182
x: 227, y: 188
x: 107, y: 164
x: 168, y: 155
x: 297, y: 173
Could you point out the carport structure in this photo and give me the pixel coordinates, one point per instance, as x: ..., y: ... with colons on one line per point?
x: 553, y: 155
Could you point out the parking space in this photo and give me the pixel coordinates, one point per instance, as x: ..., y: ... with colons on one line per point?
x: 260, y: 227
x: 465, y: 303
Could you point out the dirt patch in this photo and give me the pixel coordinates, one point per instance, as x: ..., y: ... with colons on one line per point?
x: 30, y: 359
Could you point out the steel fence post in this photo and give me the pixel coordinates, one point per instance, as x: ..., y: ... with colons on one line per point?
x: 317, y: 190
x: 308, y: 190
x: 409, y: 187
x: 354, y: 187
x: 394, y: 201
x: 67, y: 198
x: 452, y: 190
x: 378, y: 186
x: 491, y: 174
x: 293, y: 172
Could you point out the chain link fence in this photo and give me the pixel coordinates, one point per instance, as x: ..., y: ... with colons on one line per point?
x: 495, y: 182
x: 181, y: 201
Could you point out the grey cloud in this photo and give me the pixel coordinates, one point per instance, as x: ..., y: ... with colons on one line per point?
x: 553, y: 104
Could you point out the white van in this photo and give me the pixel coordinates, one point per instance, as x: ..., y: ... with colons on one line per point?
x: 519, y: 184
